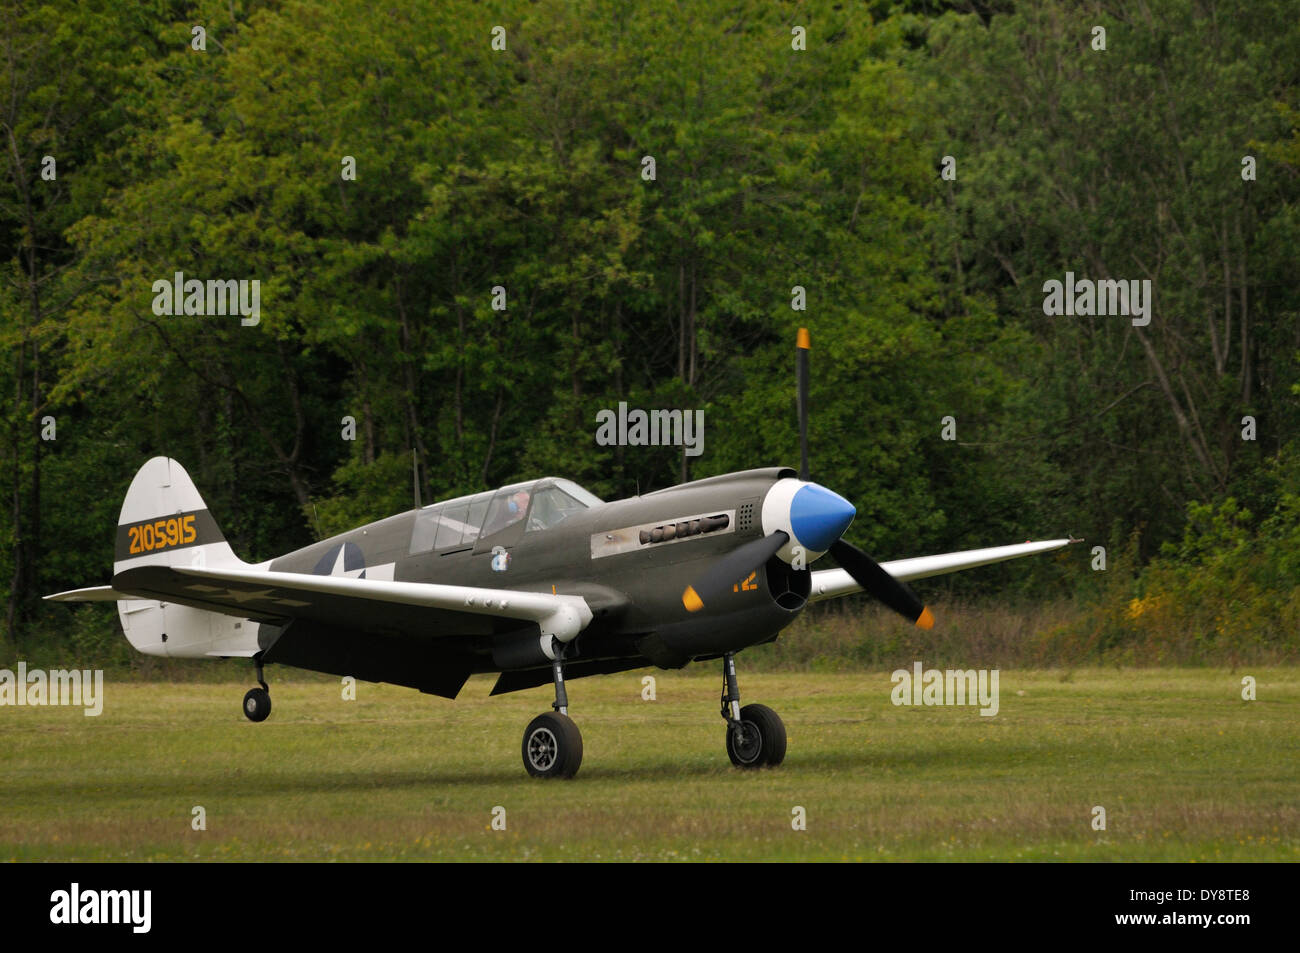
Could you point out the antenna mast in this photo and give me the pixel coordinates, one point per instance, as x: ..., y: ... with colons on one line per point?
x: 415, y: 477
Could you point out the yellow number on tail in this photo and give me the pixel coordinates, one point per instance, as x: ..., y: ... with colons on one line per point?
x: 161, y: 534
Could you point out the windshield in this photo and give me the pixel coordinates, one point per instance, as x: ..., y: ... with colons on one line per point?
x: 552, y: 506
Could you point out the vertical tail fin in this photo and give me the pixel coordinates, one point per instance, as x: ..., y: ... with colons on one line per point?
x: 165, y: 522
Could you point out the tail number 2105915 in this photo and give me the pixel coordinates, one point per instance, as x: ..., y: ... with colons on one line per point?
x: 160, y: 534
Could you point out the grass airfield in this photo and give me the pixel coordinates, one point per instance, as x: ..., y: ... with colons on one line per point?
x: 1186, y: 770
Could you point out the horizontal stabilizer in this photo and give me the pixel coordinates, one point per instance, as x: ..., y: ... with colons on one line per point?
x: 92, y: 594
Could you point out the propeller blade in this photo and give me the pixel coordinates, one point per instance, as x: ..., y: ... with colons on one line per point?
x: 731, y: 568
x: 870, y: 576
x: 802, y: 346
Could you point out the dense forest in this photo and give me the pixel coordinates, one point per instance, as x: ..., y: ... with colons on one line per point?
x: 475, y: 226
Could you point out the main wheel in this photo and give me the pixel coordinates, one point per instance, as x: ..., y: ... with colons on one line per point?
x: 257, y: 704
x: 757, y: 739
x: 552, y: 746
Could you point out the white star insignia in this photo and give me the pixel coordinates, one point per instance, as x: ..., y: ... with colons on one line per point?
x: 338, y: 569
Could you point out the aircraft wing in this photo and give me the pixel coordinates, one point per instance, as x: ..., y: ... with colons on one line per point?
x: 363, y: 604
x: 829, y: 583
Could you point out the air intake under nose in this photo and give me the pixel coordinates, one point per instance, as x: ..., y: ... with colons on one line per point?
x: 819, y: 517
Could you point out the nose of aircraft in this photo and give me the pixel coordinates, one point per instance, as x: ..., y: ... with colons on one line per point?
x: 819, y: 517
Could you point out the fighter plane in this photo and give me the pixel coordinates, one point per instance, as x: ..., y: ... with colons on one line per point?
x: 538, y: 581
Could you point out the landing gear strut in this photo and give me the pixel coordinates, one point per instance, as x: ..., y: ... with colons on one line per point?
x: 552, y: 745
x: 257, y: 703
x: 755, y: 733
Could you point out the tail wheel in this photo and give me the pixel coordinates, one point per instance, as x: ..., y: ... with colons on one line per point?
x: 757, y: 739
x: 257, y: 704
x: 552, y: 746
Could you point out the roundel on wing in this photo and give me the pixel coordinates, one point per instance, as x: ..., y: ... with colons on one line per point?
x: 343, y: 559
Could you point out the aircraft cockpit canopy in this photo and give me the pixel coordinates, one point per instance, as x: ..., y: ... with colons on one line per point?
x: 461, y: 522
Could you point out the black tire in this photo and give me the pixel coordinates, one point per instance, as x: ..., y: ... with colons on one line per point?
x: 257, y: 704
x: 552, y: 746
x: 758, y: 739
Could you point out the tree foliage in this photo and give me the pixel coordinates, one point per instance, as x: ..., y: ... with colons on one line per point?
x: 527, y: 169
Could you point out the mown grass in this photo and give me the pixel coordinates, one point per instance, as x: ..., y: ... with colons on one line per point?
x: 1186, y: 770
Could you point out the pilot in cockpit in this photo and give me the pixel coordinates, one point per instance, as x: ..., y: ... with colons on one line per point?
x: 514, y: 510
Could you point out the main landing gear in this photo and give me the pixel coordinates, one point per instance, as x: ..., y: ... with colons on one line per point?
x: 552, y: 743
x: 257, y: 703
x: 755, y: 733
